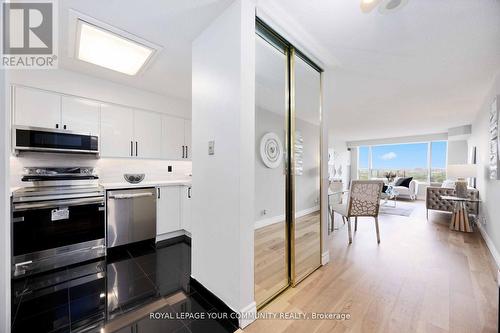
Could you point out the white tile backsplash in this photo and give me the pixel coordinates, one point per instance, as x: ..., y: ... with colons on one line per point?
x: 110, y: 170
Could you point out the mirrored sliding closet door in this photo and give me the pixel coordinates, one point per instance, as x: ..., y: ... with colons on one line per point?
x: 287, y: 167
x: 306, y: 138
x: 271, y: 240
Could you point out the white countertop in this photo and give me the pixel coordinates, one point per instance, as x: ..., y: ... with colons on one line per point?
x: 152, y: 183
x: 176, y: 182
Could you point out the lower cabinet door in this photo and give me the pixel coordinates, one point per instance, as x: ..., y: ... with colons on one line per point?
x: 168, y: 212
x: 186, y: 208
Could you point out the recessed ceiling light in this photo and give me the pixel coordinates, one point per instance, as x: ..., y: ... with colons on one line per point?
x: 110, y: 50
x: 368, y: 5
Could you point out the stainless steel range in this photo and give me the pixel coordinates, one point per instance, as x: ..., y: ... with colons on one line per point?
x: 58, y: 220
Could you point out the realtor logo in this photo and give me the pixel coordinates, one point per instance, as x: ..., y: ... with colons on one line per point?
x: 29, y: 39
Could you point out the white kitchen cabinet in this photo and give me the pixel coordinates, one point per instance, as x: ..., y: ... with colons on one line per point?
x: 117, y: 131
x: 186, y: 208
x: 36, y: 108
x: 147, y: 134
x: 80, y: 115
x: 172, y: 138
x: 187, y: 138
x: 123, y: 131
x: 168, y: 209
x: 176, y: 138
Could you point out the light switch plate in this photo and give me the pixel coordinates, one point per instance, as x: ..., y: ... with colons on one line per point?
x: 211, y: 147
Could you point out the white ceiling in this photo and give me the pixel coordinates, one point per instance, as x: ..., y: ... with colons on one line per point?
x: 172, y: 24
x: 419, y: 70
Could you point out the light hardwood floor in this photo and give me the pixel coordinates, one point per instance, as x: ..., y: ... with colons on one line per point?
x: 421, y: 278
x: 271, y: 274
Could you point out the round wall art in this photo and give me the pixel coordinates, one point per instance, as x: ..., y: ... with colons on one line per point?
x: 271, y: 150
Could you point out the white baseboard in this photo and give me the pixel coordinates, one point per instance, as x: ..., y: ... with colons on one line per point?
x: 489, y: 243
x: 269, y: 221
x: 172, y: 234
x: 280, y: 218
x: 325, y: 258
x: 249, y: 314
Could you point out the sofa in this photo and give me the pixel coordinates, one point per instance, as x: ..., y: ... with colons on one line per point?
x: 433, y: 200
x: 409, y: 192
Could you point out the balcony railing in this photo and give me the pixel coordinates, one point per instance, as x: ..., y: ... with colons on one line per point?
x: 437, y: 175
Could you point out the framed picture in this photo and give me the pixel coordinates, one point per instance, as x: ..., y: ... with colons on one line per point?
x: 473, y: 160
x: 493, y: 137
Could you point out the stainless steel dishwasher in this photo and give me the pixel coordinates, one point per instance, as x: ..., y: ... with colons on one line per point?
x: 131, y: 215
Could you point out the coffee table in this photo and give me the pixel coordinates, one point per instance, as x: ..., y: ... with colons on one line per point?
x: 390, y: 194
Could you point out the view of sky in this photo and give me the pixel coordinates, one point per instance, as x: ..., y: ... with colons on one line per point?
x: 403, y: 156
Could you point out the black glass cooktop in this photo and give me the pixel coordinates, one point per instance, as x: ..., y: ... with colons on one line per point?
x: 109, y: 295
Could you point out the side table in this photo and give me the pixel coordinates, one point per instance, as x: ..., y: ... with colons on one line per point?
x: 460, y: 217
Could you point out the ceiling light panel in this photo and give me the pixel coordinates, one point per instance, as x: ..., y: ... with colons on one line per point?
x: 110, y: 50
x: 368, y: 5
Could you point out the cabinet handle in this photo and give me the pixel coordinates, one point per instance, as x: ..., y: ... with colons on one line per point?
x: 136, y: 148
x: 131, y: 148
x: 159, y: 193
x: 182, y: 151
x: 64, y: 126
x: 189, y: 192
x: 187, y: 151
x: 57, y: 125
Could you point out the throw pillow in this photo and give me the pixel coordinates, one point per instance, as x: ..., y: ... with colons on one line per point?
x: 404, y: 182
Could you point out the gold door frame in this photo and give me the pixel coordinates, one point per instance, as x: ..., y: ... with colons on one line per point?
x: 269, y: 35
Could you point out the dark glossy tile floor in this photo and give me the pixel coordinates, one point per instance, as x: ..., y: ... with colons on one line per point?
x: 103, y: 295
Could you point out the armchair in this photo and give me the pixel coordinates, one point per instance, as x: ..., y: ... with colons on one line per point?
x: 433, y: 200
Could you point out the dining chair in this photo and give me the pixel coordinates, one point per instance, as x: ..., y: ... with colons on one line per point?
x: 363, y: 201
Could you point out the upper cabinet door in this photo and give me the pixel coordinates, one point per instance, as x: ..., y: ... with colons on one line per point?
x: 172, y: 140
x: 147, y: 134
x: 187, y: 137
x: 37, y: 108
x: 117, y: 131
x: 80, y: 115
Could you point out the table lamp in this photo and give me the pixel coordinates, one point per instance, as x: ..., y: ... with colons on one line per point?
x: 460, y: 172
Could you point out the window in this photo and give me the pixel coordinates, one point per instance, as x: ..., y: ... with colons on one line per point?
x: 424, y: 161
x: 363, y: 163
x: 406, y: 160
x: 438, y: 161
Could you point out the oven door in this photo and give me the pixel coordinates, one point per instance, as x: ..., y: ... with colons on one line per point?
x: 71, y: 230
x: 64, y: 300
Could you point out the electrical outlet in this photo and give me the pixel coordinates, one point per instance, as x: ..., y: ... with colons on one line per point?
x: 264, y: 212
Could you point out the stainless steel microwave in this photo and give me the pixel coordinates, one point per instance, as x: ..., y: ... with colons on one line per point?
x: 26, y: 138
